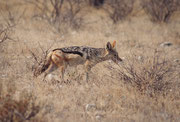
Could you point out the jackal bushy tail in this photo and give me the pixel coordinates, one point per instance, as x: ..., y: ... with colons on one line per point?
x: 47, y: 62
x: 44, y: 66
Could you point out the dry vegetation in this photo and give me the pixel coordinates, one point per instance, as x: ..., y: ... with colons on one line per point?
x: 119, y: 9
x: 17, y: 110
x: 145, y: 87
x: 161, y: 10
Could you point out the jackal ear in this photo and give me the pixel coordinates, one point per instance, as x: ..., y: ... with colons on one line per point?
x: 108, y: 46
x: 113, y: 44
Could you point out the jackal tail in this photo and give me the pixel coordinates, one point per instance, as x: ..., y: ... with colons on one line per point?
x: 44, y: 66
x: 47, y: 62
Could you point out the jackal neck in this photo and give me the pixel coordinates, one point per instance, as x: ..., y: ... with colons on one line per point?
x: 100, y: 55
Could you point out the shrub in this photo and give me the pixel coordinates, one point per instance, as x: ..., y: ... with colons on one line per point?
x: 10, y: 19
x: 17, y: 110
x: 119, y: 9
x: 160, y: 10
x: 4, y: 33
x: 59, y: 12
x: 151, y: 75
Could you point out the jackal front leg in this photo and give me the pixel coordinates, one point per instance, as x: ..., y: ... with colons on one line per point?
x: 49, y: 70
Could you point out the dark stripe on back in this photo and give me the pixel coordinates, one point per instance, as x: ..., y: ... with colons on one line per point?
x: 70, y: 50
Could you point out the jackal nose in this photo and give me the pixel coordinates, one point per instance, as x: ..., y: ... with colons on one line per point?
x: 120, y: 59
x: 117, y: 60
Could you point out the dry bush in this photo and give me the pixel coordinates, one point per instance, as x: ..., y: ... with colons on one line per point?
x: 151, y: 75
x: 17, y: 110
x: 5, y: 32
x: 59, y: 12
x: 10, y: 18
x: 119, y: 9
x: 160, y: 10
x: 12, y: 14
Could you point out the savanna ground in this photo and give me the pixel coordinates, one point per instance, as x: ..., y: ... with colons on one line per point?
x: 146, y: 87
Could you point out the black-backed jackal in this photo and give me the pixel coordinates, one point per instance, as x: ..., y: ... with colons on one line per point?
x: 75, y: 55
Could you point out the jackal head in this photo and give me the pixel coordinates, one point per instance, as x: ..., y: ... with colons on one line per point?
x: 112, y: 54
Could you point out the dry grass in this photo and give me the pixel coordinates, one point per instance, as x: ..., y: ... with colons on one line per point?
x: 144, y: 88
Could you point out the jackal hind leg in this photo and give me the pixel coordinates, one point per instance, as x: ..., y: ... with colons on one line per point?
x: 62, y: 68
x: 50, y: 69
